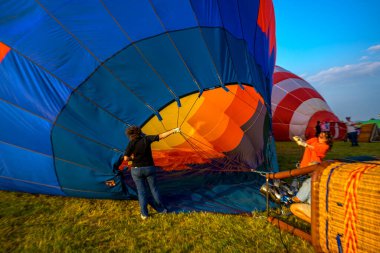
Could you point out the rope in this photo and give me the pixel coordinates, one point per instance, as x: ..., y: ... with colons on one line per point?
x: 65, y: 84
x: 175, y: 46
x: 98, y: 60
x: 203, y: 153
x: 188, y: 113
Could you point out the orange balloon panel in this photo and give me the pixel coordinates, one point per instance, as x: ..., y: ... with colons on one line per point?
x: 4, y: 49
x: 244, y: 105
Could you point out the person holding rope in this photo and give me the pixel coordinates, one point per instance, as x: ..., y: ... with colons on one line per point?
x: 143, y: 168
x: 315, y: 151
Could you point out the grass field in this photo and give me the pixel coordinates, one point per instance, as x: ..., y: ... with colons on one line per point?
x: 39, y: 223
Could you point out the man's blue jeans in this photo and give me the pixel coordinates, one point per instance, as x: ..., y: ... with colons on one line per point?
x: 353, y: 137
x: 145, y: 180
x: 304, y: 193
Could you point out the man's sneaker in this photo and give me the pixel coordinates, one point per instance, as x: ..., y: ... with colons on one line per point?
x: 164, y: 210
x: 144, y: 217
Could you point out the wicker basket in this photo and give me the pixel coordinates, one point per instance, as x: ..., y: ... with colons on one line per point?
x: 346, y: 207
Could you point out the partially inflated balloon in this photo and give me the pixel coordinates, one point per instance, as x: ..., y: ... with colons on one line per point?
x: 75, y: 74
x: 297, y: 106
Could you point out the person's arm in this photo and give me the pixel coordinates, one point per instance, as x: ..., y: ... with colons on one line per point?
x: 310, y: 143
x: 167, y: 133
x: 300, y: 142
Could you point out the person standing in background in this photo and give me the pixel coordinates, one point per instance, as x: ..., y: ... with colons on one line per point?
x: 318, y: 128
x: 352, y: 134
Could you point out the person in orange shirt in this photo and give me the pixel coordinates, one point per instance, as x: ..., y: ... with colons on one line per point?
x: 315, y: 150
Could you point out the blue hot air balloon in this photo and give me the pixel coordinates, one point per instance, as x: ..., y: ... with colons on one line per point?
x: 75, y: 74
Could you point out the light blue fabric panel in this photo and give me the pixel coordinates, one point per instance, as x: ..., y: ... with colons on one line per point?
x: 136, y: 18
x: 175, y: 15
x: 45, y: 42
x: 207, y: 13
x: 21, y: 128
x: 23, y: 170
x: 18, y: 18
x: 28, y: 86
x: 90, y: 24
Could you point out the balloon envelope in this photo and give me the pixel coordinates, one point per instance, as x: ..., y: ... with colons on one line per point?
x: 297, y: 106
x: 75, y: 74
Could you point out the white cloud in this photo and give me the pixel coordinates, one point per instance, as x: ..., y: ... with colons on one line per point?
x: 363, y: 58
x: 374, y: 48
x: 351, y: 89
x: 344, y: 73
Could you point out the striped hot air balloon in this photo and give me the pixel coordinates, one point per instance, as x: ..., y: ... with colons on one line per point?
x: 297, y: 106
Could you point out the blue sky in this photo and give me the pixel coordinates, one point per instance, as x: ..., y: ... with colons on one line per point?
x: 335, y: 46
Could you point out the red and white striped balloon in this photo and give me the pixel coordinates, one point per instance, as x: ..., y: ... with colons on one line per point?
x: 297, y: 106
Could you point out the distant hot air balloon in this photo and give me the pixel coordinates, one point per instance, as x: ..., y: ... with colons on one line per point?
x: 75, y: 74
x: 297, y: 106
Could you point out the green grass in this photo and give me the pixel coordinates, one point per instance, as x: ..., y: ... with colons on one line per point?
x: 39, y: 223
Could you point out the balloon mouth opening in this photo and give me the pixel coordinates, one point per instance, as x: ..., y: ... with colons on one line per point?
x: 211, y: 126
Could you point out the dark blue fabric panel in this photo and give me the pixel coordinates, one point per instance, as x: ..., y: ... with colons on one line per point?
x: 162, y: 54
x: 134, y: 71
x: 90, y: 22
x: 258, y: 77
x: 81, y: 152
x: 49, y: 45
x: 230, y: 16
x: 248, y: 13
x: 211, y: 190
x: 216, y: 41
x: 261, y: 51
x: 197, y: 56
x: 137, y: 18
x: 21, y: 128
x: 28, y: 86
x: 175, y: 15
x: 207, y: 13
x: 22, y: 170
x: 104, y: 89
x: 271, y: 153
x: 84, y: 182
x: 240, y: 19
x: 84, y: 119
x: 240, y: 58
